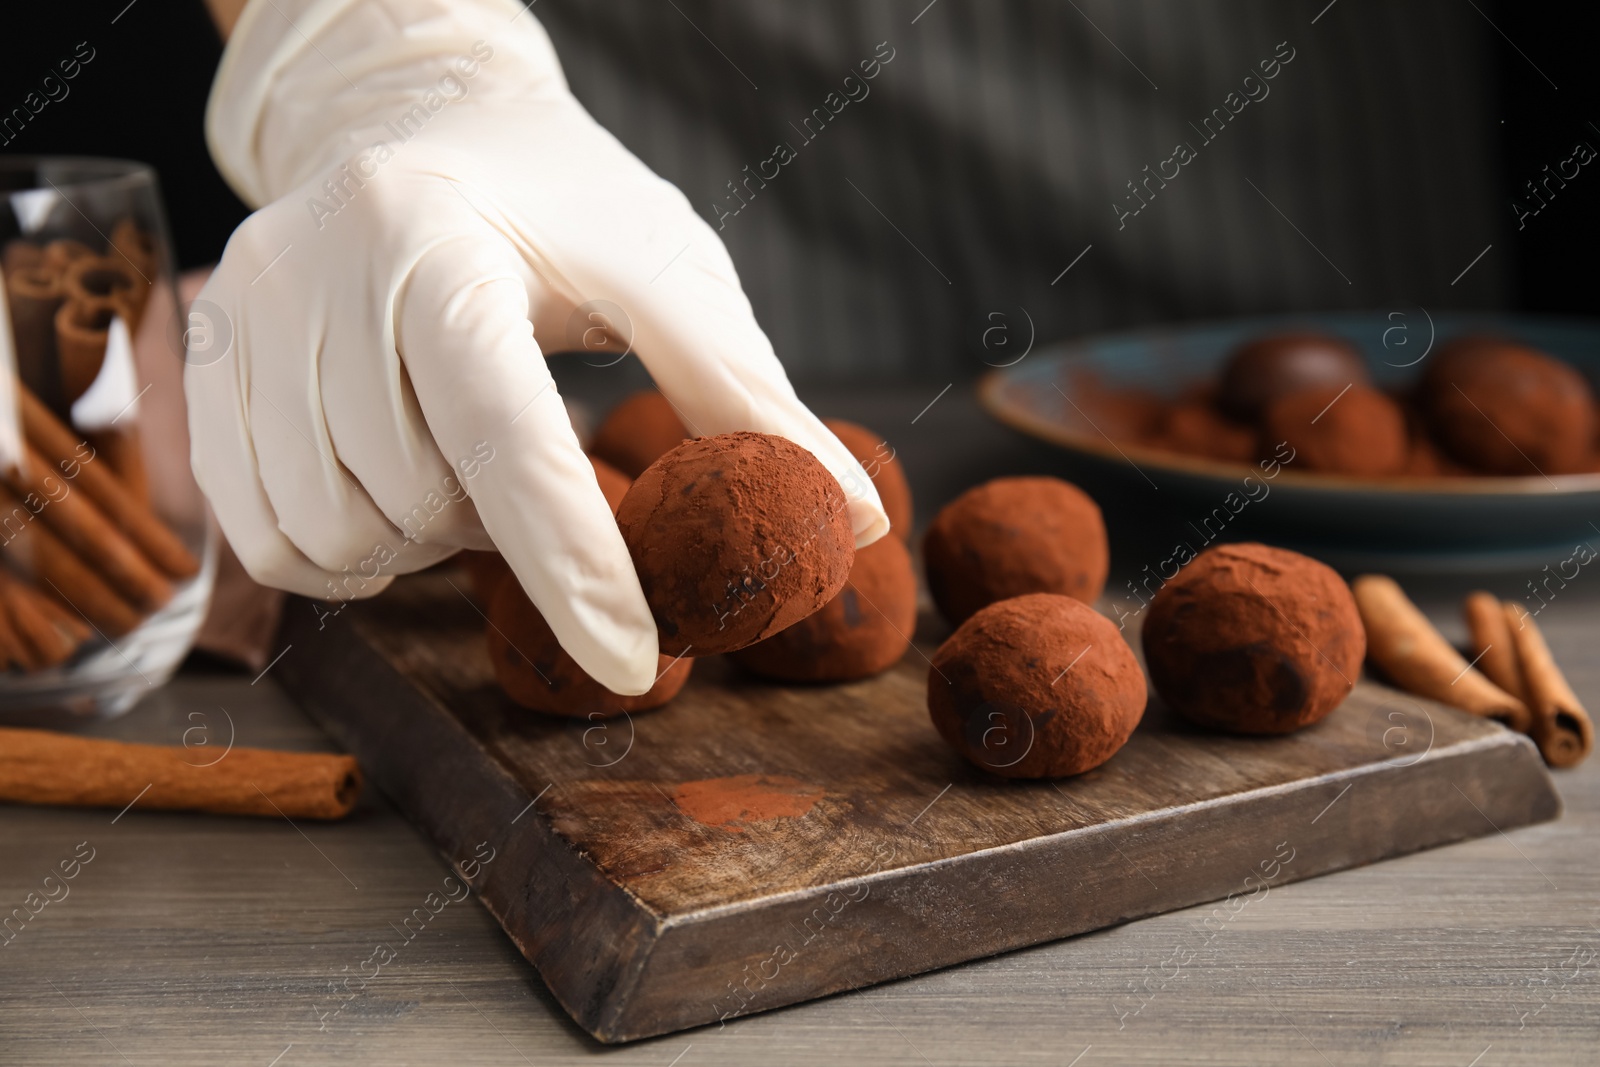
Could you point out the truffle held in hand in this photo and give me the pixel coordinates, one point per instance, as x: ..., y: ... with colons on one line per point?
x: 1502, y: 408
x: 1341, y: 429
x: 883, y: 467
x: 1038, y: 686
x: 1254, y: 640
x: 534, y: 670
x: 638, y: 431
x: 735, y: 537
x: 1014, y: 536
x: 863, y: 631
x: 1262, y: 370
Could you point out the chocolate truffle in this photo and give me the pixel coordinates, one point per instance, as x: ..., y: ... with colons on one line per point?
x: 1262, y: 370
x: 485, y: 569
x: 1504, y: 408
x: 637, y: 432
x: 883, y: 467
x: 534, y: 670
x: 1340, y: 429
x: 735, y: 537
x: 1013, y: 536
x: 613, y: 483
x: 1122, y: 413
x: 1254, y: 640
x: 1037, y: 686
x: 861, y: 632
x: 484, y: 572
x: 1196, y: 429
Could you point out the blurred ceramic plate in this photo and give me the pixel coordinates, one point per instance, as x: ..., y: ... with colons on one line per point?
x: 1413, y: 524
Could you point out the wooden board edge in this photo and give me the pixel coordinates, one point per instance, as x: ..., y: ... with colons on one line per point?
x: 560, y: 924
x: 1471, y: 789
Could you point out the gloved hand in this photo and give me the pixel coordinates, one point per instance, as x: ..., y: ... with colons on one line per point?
x: 434, y: 207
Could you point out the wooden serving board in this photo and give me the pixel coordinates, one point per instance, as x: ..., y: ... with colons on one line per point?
x: 753, y: 845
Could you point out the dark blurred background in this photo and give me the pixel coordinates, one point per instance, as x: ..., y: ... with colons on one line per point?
x: 988, y: 152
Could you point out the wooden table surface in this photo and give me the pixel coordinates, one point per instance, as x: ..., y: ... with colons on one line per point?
x: 205, y: 940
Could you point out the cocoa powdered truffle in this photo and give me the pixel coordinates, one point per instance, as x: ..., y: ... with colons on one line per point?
x: 1504, y: 408
x: 883, y: 467
x: 486, y: 569
x: 1013, y: 536
x: 1037, y: 686
x: 637, y: 432
x: 1262, y: 370
x: 1196, y: 429
x: 1254, y: 640
x: 735, y: 537
x: 534, y: 670
x: 1340, y: 429
x: 861, y: 632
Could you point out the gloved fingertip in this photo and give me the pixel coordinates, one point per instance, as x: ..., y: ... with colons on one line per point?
x: 633, y: 667
x: 867, y: 521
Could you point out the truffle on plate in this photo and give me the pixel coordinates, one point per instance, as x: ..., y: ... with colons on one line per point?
x: 735, y: 537
x: 1254, y: 640
x: 883, y: 467
x: 534, y: 670
x: 1341, y: 429
x: 1197, y: 429
x: 1013, y: 536
x: 1504, y: 408
x: 638, y: 431
x: 1038, y: 686
x: 861, y: 632
x: 1262, y: 370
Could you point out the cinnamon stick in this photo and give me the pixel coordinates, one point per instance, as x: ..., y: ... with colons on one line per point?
x: 110, y: 278
x: 14, y: 652
x: 34, y: 295
x: 20, y: 255
x: 123, y: 452
x: 46, y: 632
x: 86, y: 530
x: 1489, y: 641
x: 62, y: 253
x: 82, y: 327
x: 41, y: 767
x: 1561, y: 727
x: 33, y: 549
x: 136, y: 246
x: 97, y: 276
x: 1416, y: 657
x: 131, y: 515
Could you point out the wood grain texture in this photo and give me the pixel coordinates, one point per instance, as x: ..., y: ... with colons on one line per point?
x: 194, y: 940
x: 648, y: 909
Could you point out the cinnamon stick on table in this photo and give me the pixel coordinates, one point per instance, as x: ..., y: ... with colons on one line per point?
x: 1561, y: 727
x: 41, y: 767
x: 1417, y: 658
x: 1491, y: 645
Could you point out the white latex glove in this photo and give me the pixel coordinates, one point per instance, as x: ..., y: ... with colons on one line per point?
x: 386, y: 308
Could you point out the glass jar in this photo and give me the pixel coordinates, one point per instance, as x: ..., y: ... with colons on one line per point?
x: 106, y: 555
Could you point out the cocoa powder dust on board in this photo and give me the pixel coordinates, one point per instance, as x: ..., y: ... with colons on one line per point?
x: 735, y: 802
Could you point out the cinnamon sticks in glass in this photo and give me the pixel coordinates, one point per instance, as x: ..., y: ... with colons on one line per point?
x: 76, y: 544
